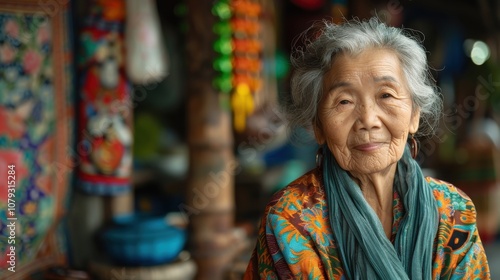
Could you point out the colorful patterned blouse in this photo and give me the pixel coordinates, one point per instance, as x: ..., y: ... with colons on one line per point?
x: 295, y: 240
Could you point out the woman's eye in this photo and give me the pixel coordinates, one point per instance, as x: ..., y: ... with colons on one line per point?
x: 386, y: 95
x: 344, y: 102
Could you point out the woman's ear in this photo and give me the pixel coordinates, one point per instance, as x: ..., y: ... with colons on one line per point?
x: 318, y: 132
x: 414, y: 121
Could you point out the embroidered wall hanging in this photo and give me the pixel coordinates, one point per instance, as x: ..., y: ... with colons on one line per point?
x: 105, y: 107
x: 36, y: 116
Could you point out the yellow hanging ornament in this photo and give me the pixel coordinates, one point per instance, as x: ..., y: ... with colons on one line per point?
x: 243, y: 105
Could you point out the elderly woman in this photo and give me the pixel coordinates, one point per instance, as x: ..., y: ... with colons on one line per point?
x: 366, y: 211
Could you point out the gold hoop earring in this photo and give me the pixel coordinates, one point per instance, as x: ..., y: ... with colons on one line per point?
x: 413, y: 146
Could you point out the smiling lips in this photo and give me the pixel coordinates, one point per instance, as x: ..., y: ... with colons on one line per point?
x: 368, y: 147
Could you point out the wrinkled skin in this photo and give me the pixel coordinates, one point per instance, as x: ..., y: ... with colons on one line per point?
x: 364, y: 117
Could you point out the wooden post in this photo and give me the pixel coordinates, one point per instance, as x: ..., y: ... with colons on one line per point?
x: 210, y: 189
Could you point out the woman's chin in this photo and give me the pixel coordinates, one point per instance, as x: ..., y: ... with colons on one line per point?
x: 370, y: 163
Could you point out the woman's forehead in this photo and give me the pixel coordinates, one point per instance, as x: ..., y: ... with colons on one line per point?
x: 377, y: 65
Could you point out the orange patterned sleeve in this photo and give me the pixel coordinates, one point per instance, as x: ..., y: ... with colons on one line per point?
x: 295, y: 240
x: 458, y: 253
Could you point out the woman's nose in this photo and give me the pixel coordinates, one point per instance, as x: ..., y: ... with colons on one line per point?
x: 368, y: 117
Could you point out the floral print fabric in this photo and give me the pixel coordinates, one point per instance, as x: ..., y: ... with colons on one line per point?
x: 295, y: 240
x: 36, y: 120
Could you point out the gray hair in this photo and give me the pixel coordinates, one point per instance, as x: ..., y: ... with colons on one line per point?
x: 311, y: 62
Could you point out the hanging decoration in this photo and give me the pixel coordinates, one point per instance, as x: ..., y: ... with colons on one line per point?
x: 147, y: 60
x: 247, y: 60
x: 105, y: 110
x: 223, y: 46
x: 239, y: 55
x: 36, y: 134
x: 242, y: 104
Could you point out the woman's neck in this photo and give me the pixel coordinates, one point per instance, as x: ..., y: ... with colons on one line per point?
x: 377, y: 188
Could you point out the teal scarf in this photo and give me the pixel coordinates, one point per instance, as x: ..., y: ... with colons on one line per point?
x: 364, y: 249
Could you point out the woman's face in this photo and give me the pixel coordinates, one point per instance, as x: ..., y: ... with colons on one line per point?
x: 366, y: 111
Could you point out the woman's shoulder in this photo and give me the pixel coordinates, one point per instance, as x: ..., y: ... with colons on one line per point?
x: 451, y: 201
x: 303, y: 192
x: 447, y: 189
x: 458, y: 250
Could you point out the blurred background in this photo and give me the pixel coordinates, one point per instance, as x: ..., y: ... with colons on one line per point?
x: 146, y: 137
